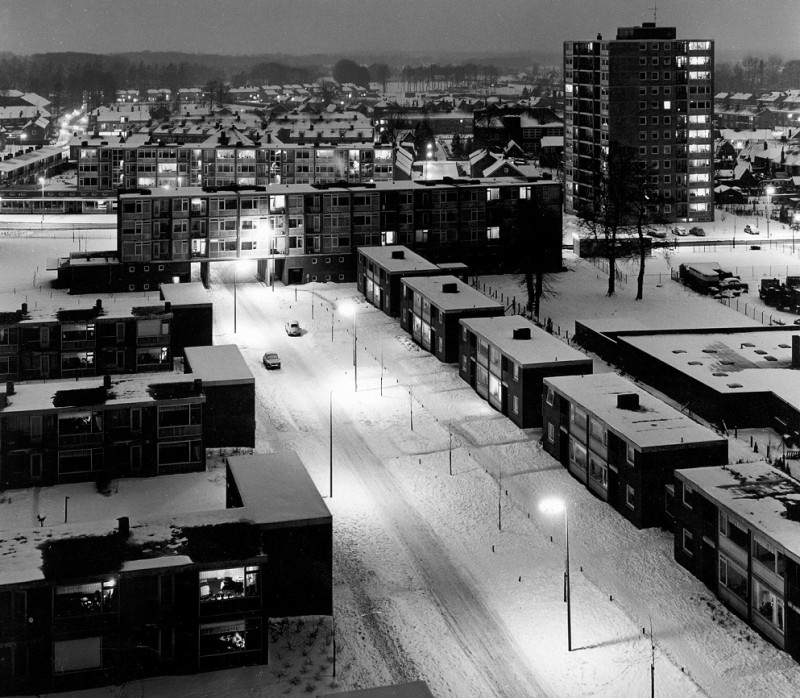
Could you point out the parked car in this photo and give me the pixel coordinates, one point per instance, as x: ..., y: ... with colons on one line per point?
x: 734, y: 283
x: 678, y: 230
x: 271, y: 360
x: 697, y: 230
x: 293, y: 328
x: 658, y: 234
x: 750, y: 230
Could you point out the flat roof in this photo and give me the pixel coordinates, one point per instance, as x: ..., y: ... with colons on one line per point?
x: 47, y: 309
x: 400, y: 185
x: 88, y: 393
x: 655, y: 424
x: 193, y: 293
x: 465, y: 297
x: 280, y: 493
x: 277, y: 487
x: 409, y: 262
x: 728, y: 362
x: 757, y: 493
x: 542, y: 349
x: 218, y: 365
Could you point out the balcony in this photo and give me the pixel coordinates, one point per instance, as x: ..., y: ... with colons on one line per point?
x: 180, y: 431
x: 78, y: 344
x: 90, y: 438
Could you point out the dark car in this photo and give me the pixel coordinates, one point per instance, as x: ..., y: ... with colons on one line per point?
x: 697, y: 230
x: 271, y: 360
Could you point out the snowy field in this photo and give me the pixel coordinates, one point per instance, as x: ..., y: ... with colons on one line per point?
x: 454, y: 579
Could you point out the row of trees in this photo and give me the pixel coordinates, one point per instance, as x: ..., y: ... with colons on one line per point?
x: 757, y: 75
x: 448, y: 77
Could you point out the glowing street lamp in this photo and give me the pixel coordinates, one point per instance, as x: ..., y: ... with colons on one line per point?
x: 556, y: 506
x: 795, y: 227
x: 347, y: 310
x: 769, y: 191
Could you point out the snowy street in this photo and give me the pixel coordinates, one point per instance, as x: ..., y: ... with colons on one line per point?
x: 425, y: 584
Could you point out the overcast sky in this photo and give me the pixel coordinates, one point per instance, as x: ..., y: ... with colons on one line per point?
x: 347, y: 27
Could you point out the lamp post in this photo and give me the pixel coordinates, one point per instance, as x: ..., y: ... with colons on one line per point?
x: 330, y: 434
x: 556, y: 506
x: 770, y: 191
x: 41, y: 181
x: 350, y: 309
x: 795, y: 226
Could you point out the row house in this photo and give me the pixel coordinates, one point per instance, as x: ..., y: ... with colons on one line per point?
x: 505, y: 360
x: 623, y: 443
x: 81, y: 342
x: 736, y: 530
x: 432, y: 306
x: 302, y: 233
x: 381, y: 268
x: 104, y: 602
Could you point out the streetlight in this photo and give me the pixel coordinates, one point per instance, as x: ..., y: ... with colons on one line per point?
x: 769, y: 191
x: 351, y: 309
x: 41, y: 181
x: 556, y: 506
x: 795, y: 226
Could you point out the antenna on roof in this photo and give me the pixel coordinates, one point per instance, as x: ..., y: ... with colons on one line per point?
x: 655, y: 11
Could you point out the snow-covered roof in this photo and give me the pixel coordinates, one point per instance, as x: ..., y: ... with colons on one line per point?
x: 410, y: 261
x: 541, y: 349
x: 193, y: 293
x: 464, y: 298
x: 218, y: 365
x: 276, y: 491
x: 757, y: 493
x: 48, y: 309
x: 654, y: 425
x: 552, y: 141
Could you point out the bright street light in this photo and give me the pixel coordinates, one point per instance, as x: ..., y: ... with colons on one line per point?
x: 554, y: 506
x: 769, y: 191
x: 41, y: 181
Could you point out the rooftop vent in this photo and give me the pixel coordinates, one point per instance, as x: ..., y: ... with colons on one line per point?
x: 796, y: 351
x: 398, y: 254
x: 451, y: 287
x: 10, y: 388
x: 124, y: 527
x: 628, y: 401
x: 521, y: 333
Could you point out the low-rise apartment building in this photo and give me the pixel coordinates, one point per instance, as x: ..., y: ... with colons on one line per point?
x: 736, y: 529
x: 104, y: 602
x: 432, y: 307
x: 505, y: 359
x: 623, y: 443
x: 126, y: 426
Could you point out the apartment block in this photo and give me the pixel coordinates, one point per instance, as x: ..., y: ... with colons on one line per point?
x: 302, y: 233
x: 736, y: 529
x: 137, y: 425
x: 623, y: 443
x: 108, y: 338
x: 505, y: 359
x: 432, y: 307
x: 104, y: 602
x: 648, y: 95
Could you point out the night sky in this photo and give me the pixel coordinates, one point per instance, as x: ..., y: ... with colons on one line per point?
x: 348, y: 27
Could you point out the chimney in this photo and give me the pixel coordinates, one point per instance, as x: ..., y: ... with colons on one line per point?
x: 198, y: 385
x: 107, y: 382
x: 24, y: 308
x: 98, y: 304
x: 628, y: 401
x: 521, y: 333
x: 167, y: 307
x: 796, y: 351
x: 398, y: 254
x: 451, y: 287
x: 10, y: 388
x: 123, y: 527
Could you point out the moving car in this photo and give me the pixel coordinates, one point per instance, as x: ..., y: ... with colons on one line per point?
x: 271, y: 360
x: 750, y: 230
x: 678, y: 230
x: 293, y: 328
x: 697, y: 230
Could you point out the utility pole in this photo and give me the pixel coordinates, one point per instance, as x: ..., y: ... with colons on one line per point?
x: 330, y: 427
x: 652, y: 663
x: 451, y: 451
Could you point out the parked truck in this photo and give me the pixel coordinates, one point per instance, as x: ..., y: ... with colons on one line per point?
x: 710, y: 278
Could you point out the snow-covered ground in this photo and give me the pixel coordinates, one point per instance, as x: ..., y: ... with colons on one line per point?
x: 455, y: 579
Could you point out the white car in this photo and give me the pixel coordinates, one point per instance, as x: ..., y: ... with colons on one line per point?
x: 293, y: 328
x: 678, y: 230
